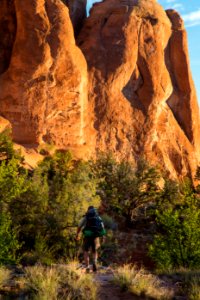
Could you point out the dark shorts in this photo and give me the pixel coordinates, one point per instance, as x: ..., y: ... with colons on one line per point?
x: 91, y: 243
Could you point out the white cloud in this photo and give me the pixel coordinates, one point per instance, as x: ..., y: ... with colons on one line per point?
x: 178, y: 6
x: 192, y: 18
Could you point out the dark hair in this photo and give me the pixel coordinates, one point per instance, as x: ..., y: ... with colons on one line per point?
x: 91, y: 207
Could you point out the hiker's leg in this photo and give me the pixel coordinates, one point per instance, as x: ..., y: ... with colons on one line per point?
x: 95, y: 256
x: 86, y: 247
x: 95, y: 247
x: 86, y: 258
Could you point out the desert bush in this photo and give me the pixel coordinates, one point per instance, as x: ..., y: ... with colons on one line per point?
x: 9, y: 244
x: 177, y: 241
x: 7, y: 150
x: 5, y: 275
x: 141, y: 283
x: 109, y: 222
x: 57, y: 195
x: 124, y: 187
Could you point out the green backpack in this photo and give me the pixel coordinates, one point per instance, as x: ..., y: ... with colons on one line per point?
x: 94, y: 225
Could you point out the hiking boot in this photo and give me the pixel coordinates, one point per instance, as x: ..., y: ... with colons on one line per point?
x: 87, y: 270
x: 94, y: 267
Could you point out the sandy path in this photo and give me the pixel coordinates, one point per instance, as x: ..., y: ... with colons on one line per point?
x: 108, y: 291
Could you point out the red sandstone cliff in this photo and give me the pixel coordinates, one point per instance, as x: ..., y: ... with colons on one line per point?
x: 43, y: 79
x: 137, y: 97
x: 140, y: 85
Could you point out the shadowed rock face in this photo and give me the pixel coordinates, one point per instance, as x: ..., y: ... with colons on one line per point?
x: 77, y: 11
x: 7, y: 32
x: 136, y: 99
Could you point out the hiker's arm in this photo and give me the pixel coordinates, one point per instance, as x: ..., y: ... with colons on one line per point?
x: 80, y: 226
x: 78, y: 233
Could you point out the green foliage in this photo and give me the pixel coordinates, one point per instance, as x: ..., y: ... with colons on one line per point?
x: 9, y: 244
x: 7, y: 151
x: 57, y: 195
x: 12, y: 181
x: 45, y: 205
x: 123, y: 188
x: 197, y: 178
x: 177, y: 242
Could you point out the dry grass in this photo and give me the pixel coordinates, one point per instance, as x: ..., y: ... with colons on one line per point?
x: 5, y: 275
x: 80, y: 285
x: 194, y: 290
x: 188, y: 279
x: 60, y: 282
x: 43, y: 282
x: 141, y: 283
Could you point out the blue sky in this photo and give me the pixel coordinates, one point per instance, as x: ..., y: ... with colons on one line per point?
x: 190, y: 11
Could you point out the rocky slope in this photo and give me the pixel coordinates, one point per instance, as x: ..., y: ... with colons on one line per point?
x: 126, y: 86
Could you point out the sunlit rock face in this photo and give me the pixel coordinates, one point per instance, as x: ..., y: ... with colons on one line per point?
x: 43, y: 83
x: 123, y: 86
x: 140, y: 85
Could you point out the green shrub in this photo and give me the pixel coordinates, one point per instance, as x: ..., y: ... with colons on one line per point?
x: 109, y: 223
x: 9, y: 244
x: 177, y: 241
x: 124, y: 187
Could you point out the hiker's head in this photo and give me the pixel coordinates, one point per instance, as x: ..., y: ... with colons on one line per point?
x: 90, y: 208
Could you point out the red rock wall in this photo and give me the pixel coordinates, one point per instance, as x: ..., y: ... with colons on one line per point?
x: 140, y: 84
x: 44, y: 88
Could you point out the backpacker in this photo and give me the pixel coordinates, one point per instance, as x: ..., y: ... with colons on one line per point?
x: 94, y: 225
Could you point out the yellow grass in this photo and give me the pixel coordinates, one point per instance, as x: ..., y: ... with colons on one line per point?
x: 141, y: 283
x: 4, y: 276
x: 43, y: 282
x: 81, y: 285
x: 60, y: 282
x: 194, y: 289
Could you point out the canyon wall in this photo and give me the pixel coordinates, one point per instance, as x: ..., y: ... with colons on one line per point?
x: 124, y: 86
x: 43, y: 80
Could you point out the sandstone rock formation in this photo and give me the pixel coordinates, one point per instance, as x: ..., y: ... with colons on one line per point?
x: 43, y: 83
x: 140, y: 85
x: 136, y: 99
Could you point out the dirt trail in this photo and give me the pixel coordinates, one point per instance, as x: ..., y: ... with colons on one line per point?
x: 108, y: 291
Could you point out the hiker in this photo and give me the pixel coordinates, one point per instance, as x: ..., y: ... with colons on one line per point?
x: 92, y: 227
